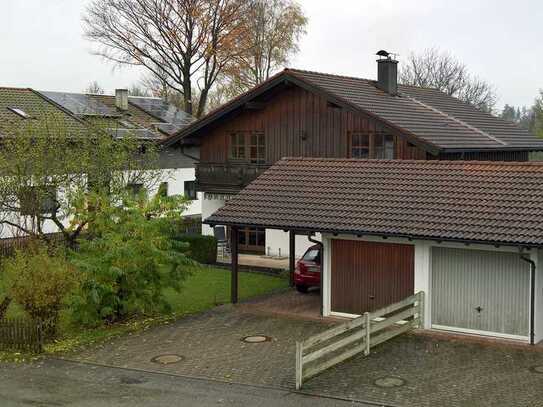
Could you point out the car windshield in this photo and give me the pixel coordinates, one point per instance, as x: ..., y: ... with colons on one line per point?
x: 312, y: 255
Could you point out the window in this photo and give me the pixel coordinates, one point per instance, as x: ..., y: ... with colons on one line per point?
x: 19, y: 112
x: 257, y: 148
x: 383, y: 146
x: 190, y: 190
x: 389, y: 147
x: 248, y: 146
x: 313, y: 255
x: 37, y: 200
x: 237, y: 146
x: 163, y: 190
x: 249, y: 238
x: 360, y: 145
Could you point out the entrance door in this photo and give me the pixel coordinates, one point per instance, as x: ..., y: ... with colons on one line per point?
x: 367, y: 276
x: 480, y: 291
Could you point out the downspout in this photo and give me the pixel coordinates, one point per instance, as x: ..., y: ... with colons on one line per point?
x: 532, y: 297
x: 310, y: 238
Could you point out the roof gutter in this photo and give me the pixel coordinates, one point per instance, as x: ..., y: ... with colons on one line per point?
x: 307, y: 230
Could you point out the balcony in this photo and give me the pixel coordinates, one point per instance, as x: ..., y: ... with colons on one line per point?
x: 226, y: 178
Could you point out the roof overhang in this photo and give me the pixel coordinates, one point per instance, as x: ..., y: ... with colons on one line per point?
x: 308, y: 230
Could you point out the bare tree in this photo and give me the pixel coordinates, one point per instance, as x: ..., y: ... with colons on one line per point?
x: 274, y: 30
x: 185, y: 43
x: 137, y: 90
x: 438, y: 69
x: 94, y: 88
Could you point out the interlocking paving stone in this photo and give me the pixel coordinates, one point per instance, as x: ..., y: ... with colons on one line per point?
x: 437, y: 372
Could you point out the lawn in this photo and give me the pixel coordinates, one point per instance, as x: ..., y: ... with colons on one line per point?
x: 205, y: 288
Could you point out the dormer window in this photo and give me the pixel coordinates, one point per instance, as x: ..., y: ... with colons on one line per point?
x: 19, y: 112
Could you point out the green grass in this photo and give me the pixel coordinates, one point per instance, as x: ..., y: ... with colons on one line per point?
x: 206, y: 288
x: 211, y: 286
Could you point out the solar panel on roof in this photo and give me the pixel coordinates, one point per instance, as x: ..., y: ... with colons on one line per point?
x: 163, y: 110
x: 80, y: 104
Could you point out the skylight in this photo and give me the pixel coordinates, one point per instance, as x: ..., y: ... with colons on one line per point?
x: 19, y: 112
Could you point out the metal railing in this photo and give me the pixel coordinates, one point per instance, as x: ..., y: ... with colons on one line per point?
x: 342, y: 342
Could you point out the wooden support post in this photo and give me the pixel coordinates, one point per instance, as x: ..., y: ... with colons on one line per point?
x: 234, y: 265
x: 292, y: 255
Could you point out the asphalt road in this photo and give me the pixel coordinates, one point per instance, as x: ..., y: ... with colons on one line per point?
x: 52, y: 383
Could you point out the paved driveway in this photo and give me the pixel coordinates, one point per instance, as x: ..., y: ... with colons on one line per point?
x: 211, y: 346
x: 431, y: 371
x: 438, y: 372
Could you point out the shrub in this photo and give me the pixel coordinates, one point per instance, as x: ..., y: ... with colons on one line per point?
x: 39, y: 279
x: 129, y: 261
x: 202, y: 249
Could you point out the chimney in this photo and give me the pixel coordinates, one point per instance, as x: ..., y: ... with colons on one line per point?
x: 121, y: 99
x: 387, y: 73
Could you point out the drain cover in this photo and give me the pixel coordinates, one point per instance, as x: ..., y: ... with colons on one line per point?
x: 256, y: 339
x: 167, y: 359
x: 389, y: 382
x: 537, y: 369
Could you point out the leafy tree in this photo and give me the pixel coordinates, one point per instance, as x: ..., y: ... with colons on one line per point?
x: 48, y: 168
x: 184, y: 43
x: 437, y: 69
x: 130, y: 259
x: 39, y: 279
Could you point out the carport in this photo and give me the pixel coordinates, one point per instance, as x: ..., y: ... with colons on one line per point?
x: 467, y: 234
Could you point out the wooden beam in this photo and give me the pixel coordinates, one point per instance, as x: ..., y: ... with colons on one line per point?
x: 292, y: 255
x: 234, y: 265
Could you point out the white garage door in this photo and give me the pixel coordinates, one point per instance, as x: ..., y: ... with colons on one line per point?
x: 481, y: 292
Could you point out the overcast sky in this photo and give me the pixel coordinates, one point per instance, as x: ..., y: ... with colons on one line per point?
x: 42, y: 45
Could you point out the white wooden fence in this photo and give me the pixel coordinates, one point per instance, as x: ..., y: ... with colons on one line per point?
x: 346, y: 340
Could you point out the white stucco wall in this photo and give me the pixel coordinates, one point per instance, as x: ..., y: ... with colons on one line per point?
x: 176, y: 186
x: 538, y: 258
x: 209, y: 206
x: 277, y: 243
x: 423, y: 272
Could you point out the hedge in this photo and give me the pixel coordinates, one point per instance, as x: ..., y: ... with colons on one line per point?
x: 203, y: 249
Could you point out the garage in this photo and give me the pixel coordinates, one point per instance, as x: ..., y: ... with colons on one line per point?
x: 367, y: 276
x: 483, y: 292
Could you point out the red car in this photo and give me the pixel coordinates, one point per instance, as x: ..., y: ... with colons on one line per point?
x: 308, y: 270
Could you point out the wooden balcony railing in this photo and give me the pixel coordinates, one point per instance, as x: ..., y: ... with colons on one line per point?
x: 226, y: 177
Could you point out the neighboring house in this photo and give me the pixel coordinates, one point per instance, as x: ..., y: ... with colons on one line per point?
x: 146, y: 117
x: 468, y: 234
x: 309, y: 114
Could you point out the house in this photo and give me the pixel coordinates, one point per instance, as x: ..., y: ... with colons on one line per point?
x: 308, y: 114
x: 469, y: 234
x: 147, y: 118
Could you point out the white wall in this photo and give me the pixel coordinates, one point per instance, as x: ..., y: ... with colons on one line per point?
x: 277, y: 243
x: 209, y: 206
x: 176, y: 186
x: 538, y: 258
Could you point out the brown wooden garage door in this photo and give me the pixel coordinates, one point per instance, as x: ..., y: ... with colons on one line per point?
x: 367, y: 276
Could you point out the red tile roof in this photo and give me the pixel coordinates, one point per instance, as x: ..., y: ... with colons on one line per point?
x: 486, y: 202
